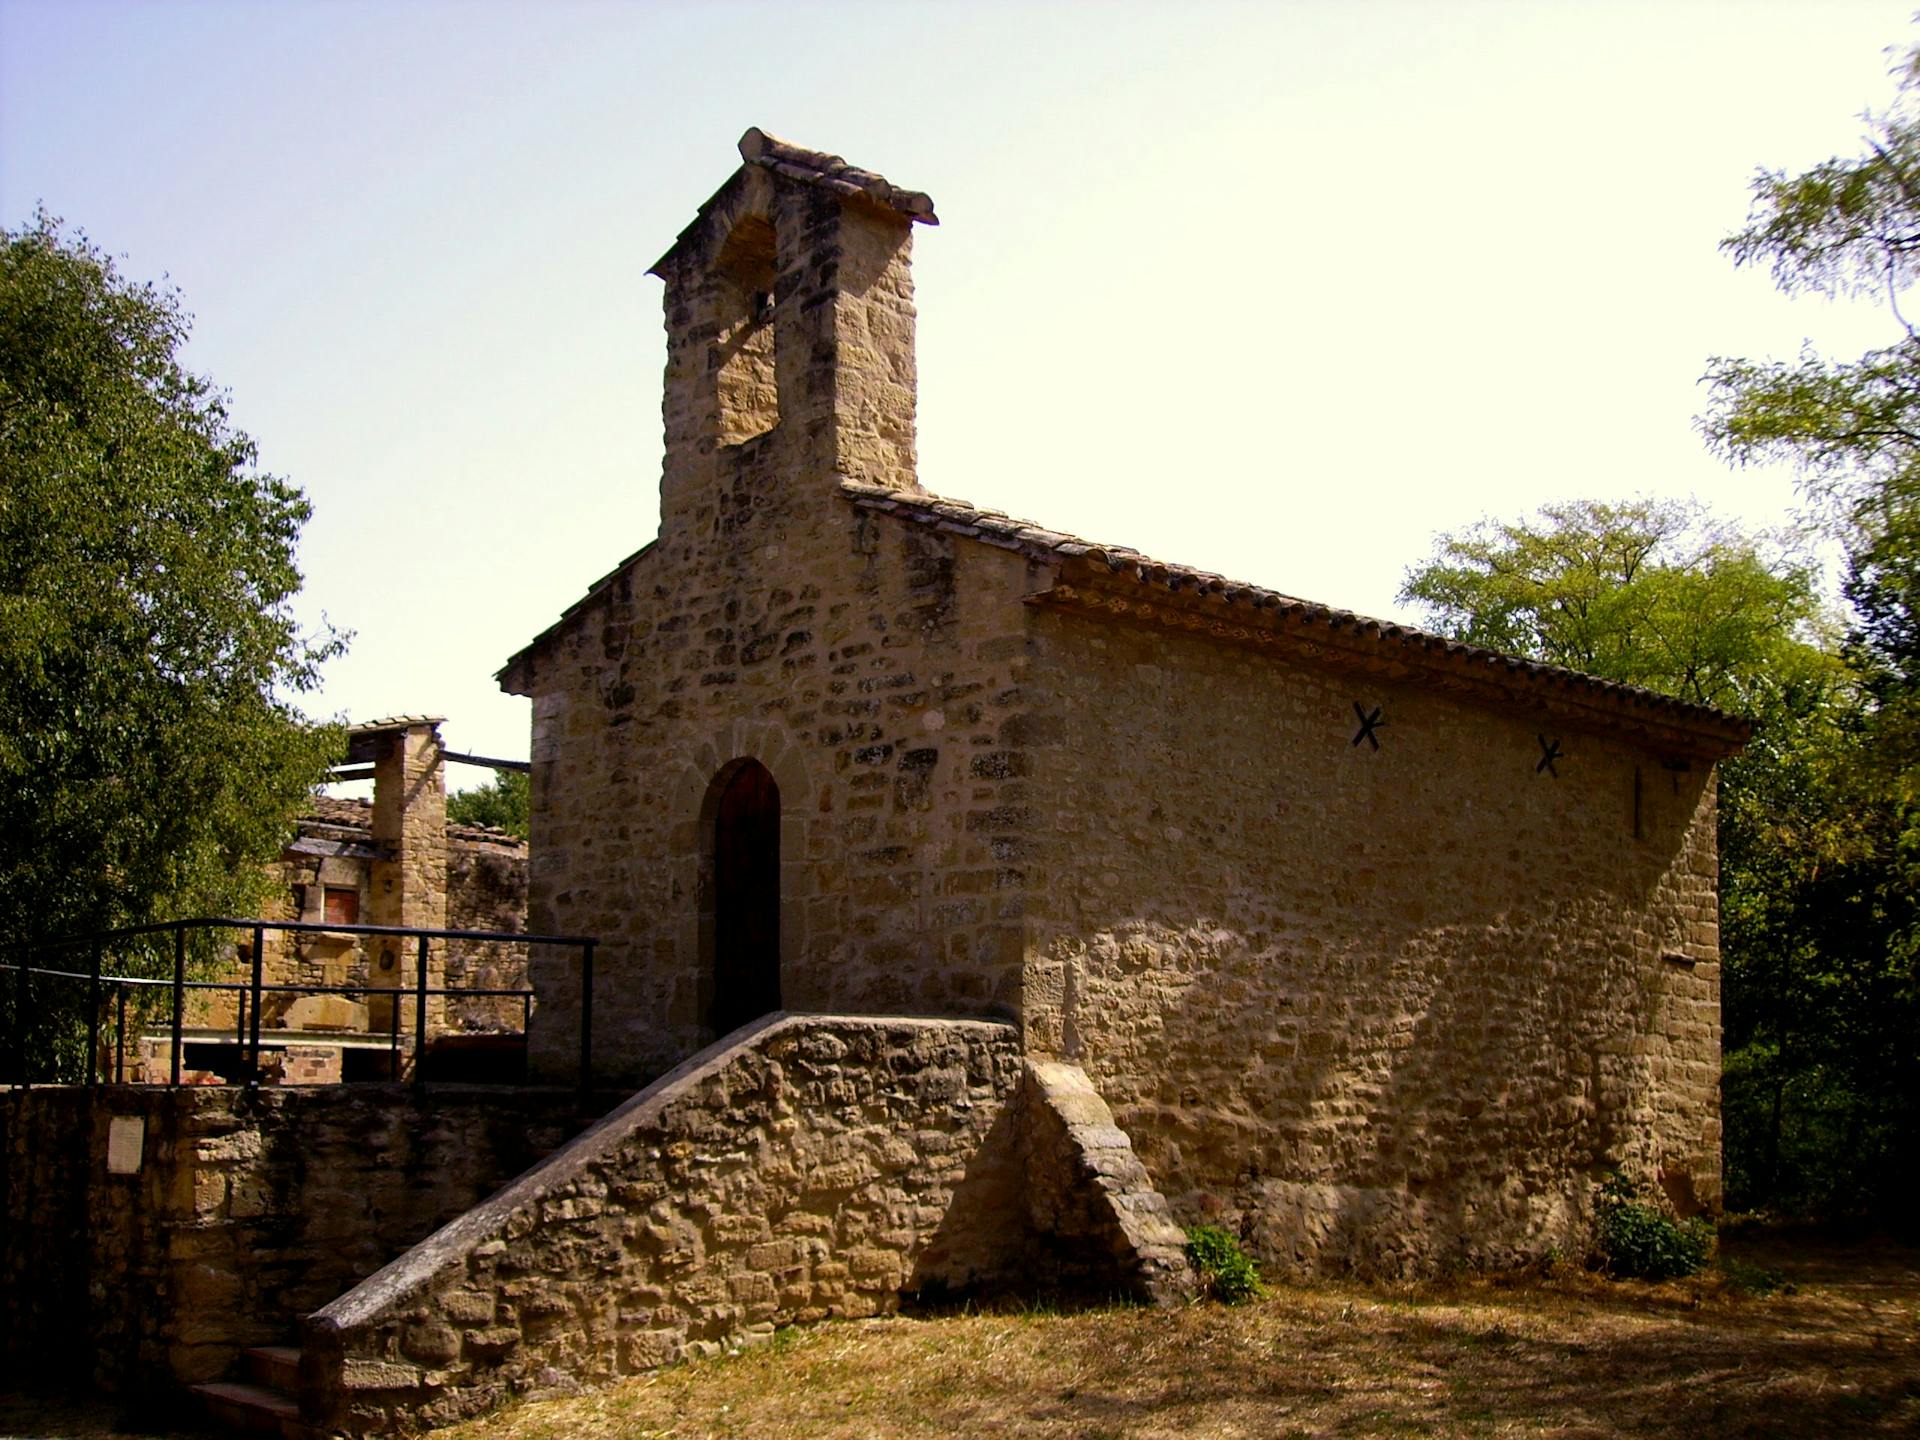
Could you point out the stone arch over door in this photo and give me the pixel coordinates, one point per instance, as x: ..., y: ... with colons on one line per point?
x: 715, y: 767
x: 743, y: 897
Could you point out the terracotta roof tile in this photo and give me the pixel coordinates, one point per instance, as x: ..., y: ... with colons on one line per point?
x: 347, y: 813
x: 1407, y: 642
x: 485, y: 835
x: 337, y: 810
x: 830, y: 172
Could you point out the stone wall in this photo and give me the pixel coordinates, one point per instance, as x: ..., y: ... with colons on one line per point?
x: 486, y: 890
x: 1380, y: 1009
x: 900, y: 790
x: 813, y: 1167
x: 246, y: 1211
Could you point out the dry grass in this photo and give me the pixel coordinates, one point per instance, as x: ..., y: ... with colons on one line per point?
x: 1567, y: 1356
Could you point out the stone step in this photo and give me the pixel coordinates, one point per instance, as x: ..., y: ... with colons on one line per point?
x: 275, y: 1366
x: 250, y: 1409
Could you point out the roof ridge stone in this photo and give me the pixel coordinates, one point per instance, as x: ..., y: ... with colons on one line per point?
x: 830, y: 172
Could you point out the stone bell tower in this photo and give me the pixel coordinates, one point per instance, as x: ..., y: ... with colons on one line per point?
x: 789, y: 317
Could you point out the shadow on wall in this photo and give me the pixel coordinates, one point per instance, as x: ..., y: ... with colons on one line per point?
x: 1382, y: 1070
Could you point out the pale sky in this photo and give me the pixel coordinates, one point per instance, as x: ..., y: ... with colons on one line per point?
x: 1279, y: 290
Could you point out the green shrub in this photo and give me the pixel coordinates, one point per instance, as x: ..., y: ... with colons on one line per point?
x: 1637, y: 1240
x: 1753, y: 1279
x: 1227, y: 1273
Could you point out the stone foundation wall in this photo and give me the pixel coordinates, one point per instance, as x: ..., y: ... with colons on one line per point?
x: 245, y: 1212
x: 1382, y: 1010
x: 815, y: 1167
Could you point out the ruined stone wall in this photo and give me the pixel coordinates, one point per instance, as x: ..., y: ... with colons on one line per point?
x: 819, y: 1167
x: 284, y: 960
x: 486, y: 890
x: 1380, y: 1009
x: 874, y: 669
x: 247, y: 1211
x: 327, y: 961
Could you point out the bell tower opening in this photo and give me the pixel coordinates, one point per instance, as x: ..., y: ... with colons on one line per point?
x: 746, y: 898
x: 742, y: 358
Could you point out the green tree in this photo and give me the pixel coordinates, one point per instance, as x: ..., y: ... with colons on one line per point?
x: 1647, y: 592
x: 1655, y: 594
x: 151, y: 757
x: 505, y: 803
x: 1832, y: 1040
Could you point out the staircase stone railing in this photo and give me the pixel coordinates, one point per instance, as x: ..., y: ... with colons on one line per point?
x: 804, y: 1168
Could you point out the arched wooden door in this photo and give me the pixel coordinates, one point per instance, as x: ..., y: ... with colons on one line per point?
x: 746, y: 899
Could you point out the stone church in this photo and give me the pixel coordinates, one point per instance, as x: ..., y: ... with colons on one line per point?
x: 1381, y: 948
x: 976, y: 906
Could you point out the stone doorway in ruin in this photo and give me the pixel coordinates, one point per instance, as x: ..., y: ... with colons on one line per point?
x: 746, y: 897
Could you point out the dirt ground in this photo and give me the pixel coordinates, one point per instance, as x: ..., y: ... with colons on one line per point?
x: 1794, y: 1336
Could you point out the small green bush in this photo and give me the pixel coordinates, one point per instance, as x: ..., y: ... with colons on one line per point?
x: 1753, y: 1279
x: 1636, y: 1240
x: 1227, y: 1273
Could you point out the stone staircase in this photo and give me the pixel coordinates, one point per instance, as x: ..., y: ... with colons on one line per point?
x: 803, y: 1167
x: 266, y: 1402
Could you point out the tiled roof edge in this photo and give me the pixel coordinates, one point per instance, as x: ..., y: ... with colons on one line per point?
x: 347, y: 813
x: 830, y: 172
x: 394, y: 722
x: 996, y: 528
x: 594, y: 591
x: 817, y: 168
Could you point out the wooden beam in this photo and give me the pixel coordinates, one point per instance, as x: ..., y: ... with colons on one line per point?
x: 521, y: 767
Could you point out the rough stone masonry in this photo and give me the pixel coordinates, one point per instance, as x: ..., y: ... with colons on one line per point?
x: 1380, y: 947
x: 813, y: 1167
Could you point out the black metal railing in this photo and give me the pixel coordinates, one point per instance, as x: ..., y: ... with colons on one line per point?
x: 250, y: 993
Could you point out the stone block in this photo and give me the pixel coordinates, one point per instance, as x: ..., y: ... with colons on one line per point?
x: 490, y: 1344
x: 430, y: 1343
x: 650, y: 1349
x: 326, y: 1012
x: 356, y: 1374
x: 468, y: 1307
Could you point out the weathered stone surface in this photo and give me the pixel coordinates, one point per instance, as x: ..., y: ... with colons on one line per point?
x: 1098, y: 1220
x: 1377, y: 1011
x: 248, y: 1211
x: 325, y: 1012
x: 589, y: 1288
